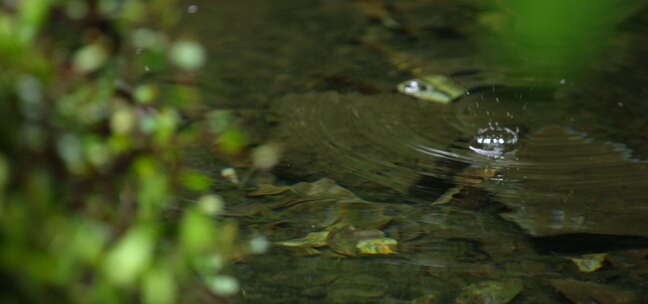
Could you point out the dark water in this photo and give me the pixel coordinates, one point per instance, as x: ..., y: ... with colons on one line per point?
x: 494, y: 198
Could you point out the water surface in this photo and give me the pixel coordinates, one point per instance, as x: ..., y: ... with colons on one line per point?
x: 501, y: 189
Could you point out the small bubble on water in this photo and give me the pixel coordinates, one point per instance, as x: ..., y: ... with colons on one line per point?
x: 192, y: 9
x: 494, y: 141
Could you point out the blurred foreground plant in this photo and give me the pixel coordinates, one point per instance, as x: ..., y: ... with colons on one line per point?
x: 91, y: 157
x: 557, y: 36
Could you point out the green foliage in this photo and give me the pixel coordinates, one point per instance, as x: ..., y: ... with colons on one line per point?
x: 559, y: 35
x: 91, y: 156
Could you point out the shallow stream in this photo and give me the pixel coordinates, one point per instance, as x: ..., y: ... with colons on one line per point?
x: 526, y: 189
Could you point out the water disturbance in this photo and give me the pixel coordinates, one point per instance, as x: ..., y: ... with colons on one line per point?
x: 486, y: 184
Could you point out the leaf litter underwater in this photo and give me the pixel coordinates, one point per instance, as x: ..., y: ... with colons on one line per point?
x: 490, y: 191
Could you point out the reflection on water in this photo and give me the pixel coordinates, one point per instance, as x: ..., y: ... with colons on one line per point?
x: 469, y: 190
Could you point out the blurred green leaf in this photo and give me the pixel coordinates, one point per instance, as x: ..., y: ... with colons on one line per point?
x: 92, y: 150
x: 232, y: 141
x: 153, y: 187
x: 167, y: 120
x: 196, y: 181
x: 131, y: 256
x: 197, y: 232
x: 146, y: 93
x: 207, y: 265
x: 159, y: 286
x: 89, y: 58
x: 71, y: 151
x: 211, y: 204
x: 266, y: 156
x: 149, y: 39
x: 32, y: 16
x: 88, y: 239
x: 123, y: 120
x: 558, y: 36
x: 188, y: 55
x: 96, y: 152
x: 259, y: 245
x: 222, y: 285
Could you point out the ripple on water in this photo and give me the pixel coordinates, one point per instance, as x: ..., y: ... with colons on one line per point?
x: 392, y: 139
x: 569, y: 182
x: 556, y: 177
x: 377, y: 138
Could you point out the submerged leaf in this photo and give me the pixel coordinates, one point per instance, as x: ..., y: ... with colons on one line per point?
x: 342, y: 240
x: 267, y: 189
x: 377, y: 246
x: 313, y: 239
x: 590, y: 262
x: 362, y: 214
x: 324, y: 187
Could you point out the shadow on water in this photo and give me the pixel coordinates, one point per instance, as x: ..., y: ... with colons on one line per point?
x: 380, y: 197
